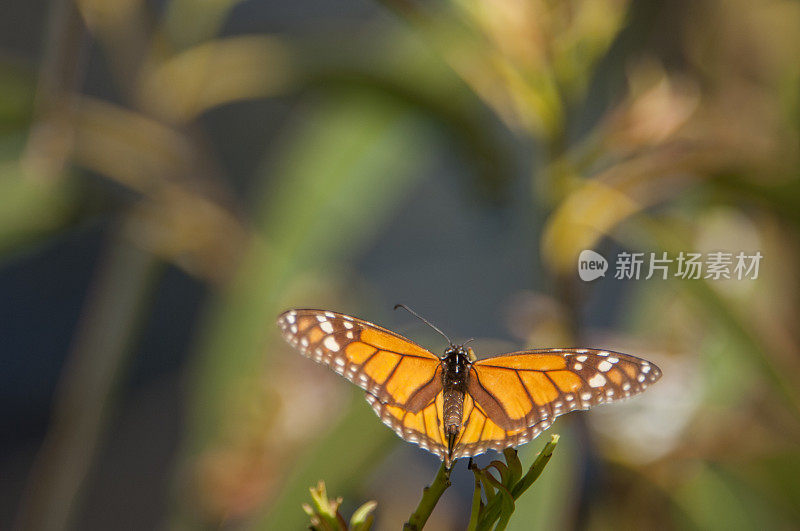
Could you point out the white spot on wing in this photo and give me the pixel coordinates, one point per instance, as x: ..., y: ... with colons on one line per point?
x: 326, y: 327
x: 598, y: 380
x: 582, y: 358
x: 604, y: 366
x: 331, y: 344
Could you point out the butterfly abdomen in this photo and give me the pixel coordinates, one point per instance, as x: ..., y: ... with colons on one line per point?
x: 455, y: 370
x: 453, y: 410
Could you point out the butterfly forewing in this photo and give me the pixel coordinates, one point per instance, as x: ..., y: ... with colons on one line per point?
x: 522, y: 392
x: 391, y: 368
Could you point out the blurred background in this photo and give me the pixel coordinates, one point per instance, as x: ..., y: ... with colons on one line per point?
x: 173, y: 174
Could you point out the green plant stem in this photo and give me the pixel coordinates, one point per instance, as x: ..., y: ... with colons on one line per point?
x: 430, y: 497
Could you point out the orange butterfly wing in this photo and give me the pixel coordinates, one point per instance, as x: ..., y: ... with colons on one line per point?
x: 423, y: 428
x: 386, y: 365
x: 402, y: 380
x: 514, y: 397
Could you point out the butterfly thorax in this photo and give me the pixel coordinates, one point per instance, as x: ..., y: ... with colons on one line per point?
x: 455, y: 372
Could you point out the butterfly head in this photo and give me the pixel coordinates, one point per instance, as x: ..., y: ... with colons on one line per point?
x: 461, y: 353
x: 458, y: 354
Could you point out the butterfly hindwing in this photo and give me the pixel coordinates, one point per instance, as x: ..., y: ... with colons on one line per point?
x: 389, y: 367
x: 423, y: 428
x: 481, y: 432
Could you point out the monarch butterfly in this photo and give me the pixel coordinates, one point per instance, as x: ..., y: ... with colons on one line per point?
x: 454, y: 406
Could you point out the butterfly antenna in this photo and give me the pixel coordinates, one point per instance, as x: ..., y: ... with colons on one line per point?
x: 415, y: 314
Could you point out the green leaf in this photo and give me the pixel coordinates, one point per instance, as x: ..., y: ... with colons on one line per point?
x: 498, y: 510
x: 536, y: 468
x: 486, y: 484
x: 544, y: 506
x: 503, y: 470
x: 477, y: 505
x: 363, y: 517
x: 514, y: 465
x: 507, y: 509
